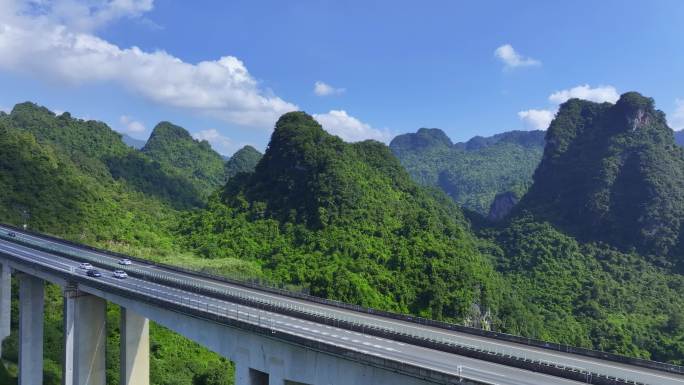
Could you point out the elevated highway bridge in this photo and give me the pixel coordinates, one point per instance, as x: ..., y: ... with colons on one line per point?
x: 273, y: 336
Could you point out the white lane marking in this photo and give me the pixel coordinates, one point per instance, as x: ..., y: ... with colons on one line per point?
x: 511, y: 346
x: 114, y: 282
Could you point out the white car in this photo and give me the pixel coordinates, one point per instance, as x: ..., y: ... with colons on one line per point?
x: 120, y: 274
x: 125, y: 261
x: 85, y: 266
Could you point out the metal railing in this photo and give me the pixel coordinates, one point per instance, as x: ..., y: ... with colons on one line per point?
x: 409, y: 335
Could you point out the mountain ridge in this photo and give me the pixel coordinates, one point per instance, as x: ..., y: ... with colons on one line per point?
x: 612, y: 172
x: 178, y: 152
x: 472, y: 173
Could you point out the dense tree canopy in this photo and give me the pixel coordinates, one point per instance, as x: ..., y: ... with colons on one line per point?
x: 178, y: 152
x: 474, y: 172
x: 244, y: 160
x: 347, y: 221
x: 613, y: 173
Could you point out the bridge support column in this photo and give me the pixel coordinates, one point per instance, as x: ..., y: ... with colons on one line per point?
x: 31, y: 301
x: 5, y: 302
x: 242, y: 374
x: 274, y: 379
x: 85, y: 338
x: 135, y: 349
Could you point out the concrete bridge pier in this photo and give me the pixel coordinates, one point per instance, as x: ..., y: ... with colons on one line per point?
x: 31, y: 302
x: 135, y: 349
x: 244, y: 375
x: 5, y: 302
x: 241, y: 374
x: 274, y: 379
x: 85, y: 338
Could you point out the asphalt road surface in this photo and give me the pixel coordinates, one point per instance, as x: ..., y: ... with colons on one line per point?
x: 440, y: 361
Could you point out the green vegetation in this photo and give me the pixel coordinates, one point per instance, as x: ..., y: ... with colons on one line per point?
x: 77, y: 180
x: 613, y: 173
x: 91, y: 150
x: 177, y: 152
x: 588, y: 295
x: 346, y: 221
x: 174, y: 360
x: 471, y: 173
x: 244, y: 160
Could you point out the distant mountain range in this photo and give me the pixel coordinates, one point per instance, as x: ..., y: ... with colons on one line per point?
x: 679, y: 137
x: 474, y: 172
x: 243, y: 160
x: 588, y: 257
x: 132, y: 142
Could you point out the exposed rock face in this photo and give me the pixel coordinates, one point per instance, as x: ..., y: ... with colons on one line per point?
x: 612, y: 173
x: 502, y: 205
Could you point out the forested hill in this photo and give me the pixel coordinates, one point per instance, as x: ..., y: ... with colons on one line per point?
x: 347, y: 222
x: 178, y: 152
x: 474, y: 172
x: 342, y: 220
x: 244, y: 160
x: 92, y: 149
x: 613, y: 173
x: 78, y: 180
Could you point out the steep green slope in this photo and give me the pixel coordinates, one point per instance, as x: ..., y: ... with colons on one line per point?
x: 613, y: 173
x: 346, y: 222
x: 588, y: 295
x: 176, y: 150
x: 474, y: 172
x: 99, y: 152
x: 60, y: 198
x: 59, y: 171
x: 244, y: 160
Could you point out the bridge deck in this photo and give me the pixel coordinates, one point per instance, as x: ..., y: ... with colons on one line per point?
x: 355, y: 341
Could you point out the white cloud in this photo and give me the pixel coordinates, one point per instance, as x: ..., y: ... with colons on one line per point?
x: 599, y: 94
x: 539, y: 119
x: 130, y: 125
x: 323, y: 89
x: 220, y: 143
x: 512, y: 59
x: 536, y: 119
x: 82, y: 15
x: 676, y: 120
x: 51, y: 45
x: 349, y: 128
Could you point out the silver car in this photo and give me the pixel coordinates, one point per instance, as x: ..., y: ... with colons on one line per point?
x: 120, y: 274
x: 125, y: 262
x: 85, y: 266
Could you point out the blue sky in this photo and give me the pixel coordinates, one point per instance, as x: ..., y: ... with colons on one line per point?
x: 225, y: 70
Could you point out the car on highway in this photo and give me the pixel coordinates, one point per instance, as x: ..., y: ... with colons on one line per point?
x: 85, y: 266
x: 12, y: 234
x: 120, y: 274
x: 94, y: 273
x: 125, y: 261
